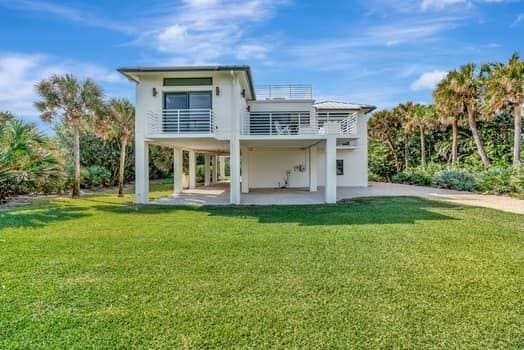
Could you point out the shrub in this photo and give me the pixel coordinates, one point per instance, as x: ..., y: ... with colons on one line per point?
x: 517, y: 180
x: 96, y: 176
x: 422, y: 176
x: 495, y: 180
x: 455, y: 179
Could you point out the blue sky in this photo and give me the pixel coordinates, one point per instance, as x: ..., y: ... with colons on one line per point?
x: 380, y: 52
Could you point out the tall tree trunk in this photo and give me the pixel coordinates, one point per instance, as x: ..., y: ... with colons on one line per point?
x: 517, y: 134
x: 406, y: 151
x: 454, y: 142
x: 122, y: 167
x: 478, y: 142
x: 395, y: 156
x: 76, y: 156
x: 422, y: 148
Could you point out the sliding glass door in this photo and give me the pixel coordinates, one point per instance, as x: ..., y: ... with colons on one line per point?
x: 188, y: 112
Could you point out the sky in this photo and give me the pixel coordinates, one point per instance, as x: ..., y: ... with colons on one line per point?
x: 379, y: 52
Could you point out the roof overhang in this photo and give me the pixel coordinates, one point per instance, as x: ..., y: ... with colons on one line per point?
x: 132, y: 72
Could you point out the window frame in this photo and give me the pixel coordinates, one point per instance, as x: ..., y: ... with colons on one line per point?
x: 187, y: 93
x: 197, y: 81
x: 340, y: 167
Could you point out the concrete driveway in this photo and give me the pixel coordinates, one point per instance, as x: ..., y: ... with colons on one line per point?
x: 504, y: 203
x: 218, y: 194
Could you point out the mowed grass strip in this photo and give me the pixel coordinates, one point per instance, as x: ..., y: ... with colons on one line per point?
x: 386, y: 272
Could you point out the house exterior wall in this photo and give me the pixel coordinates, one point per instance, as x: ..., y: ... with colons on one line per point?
x: 224, y: 106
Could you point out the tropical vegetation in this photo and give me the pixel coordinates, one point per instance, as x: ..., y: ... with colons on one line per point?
x: 470, y: 138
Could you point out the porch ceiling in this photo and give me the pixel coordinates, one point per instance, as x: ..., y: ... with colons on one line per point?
x: 197, y: 144
x: 280, y: 143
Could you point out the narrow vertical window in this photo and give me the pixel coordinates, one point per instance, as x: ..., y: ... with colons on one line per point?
x: 340, y: 167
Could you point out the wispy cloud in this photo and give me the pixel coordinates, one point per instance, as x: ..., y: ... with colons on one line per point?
x: 428, y: 80
x: 518, y: 20
x: 20, y: 72
x: 68, y: 13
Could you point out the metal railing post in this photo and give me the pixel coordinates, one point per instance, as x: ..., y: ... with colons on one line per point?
x: 270, y: 124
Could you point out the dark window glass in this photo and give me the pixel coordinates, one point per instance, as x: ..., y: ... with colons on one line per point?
x: 200, y: 100
x: 176, y: 101
x: 340, y: 167
x: 187, y: 81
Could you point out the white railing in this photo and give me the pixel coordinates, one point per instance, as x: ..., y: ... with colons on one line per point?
x: 181, y: 121
x: 346, y: 121
x: 284, y: 92
x: 298, y: 123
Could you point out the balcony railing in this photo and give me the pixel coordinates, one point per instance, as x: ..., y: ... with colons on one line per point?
x: 182, y: 121
x: 284, y: 92
x: 299, y: 123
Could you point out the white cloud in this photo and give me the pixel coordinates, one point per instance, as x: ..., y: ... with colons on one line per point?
x: 518, y: 20
x: 20, y: 72
x: 428, y: 80
x: 439, y: 4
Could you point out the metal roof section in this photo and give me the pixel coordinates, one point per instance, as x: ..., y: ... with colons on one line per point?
x: 337, y: 105
x: 128, y: 71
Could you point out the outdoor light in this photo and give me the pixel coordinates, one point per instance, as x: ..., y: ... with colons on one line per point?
x: 217, y: 91
x: 243, y: 92
x: 154, y: 92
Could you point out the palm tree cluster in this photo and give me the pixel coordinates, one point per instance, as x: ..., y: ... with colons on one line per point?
x: 466, y: 96
x: 79, y: 105
x: 28, y: 160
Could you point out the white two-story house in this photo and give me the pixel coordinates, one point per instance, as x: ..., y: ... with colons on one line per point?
x: 274, y: 136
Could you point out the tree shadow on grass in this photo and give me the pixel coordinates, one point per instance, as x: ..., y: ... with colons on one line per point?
x: 360, y: 211
x: 40, y: 216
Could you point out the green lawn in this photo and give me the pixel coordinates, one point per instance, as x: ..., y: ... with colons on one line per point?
x: 388, y: 272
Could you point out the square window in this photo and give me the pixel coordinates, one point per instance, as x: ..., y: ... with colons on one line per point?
x: 340, y: 167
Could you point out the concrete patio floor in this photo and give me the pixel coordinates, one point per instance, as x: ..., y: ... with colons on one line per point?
x: 218, y: 194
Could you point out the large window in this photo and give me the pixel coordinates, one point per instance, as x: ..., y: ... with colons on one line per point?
x: 187, y: 81
x: 187, y: 100
x: 340, y: 167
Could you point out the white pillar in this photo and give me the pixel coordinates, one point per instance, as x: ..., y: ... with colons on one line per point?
x: 313, y: 169
x: 215, y: 168
x: 234, y: 170
x: 207, y: 170
x: 245, y: 173
x: 141, y: 170
x: 178, y: 160
x: 331, y: 169
x: 192, y: 169
x: 222, y: 168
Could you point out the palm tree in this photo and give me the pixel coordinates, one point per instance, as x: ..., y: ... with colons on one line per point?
x: 449, y: 112
x: 384, y: 125
x: 466, y: 89
x: 26, y: 158
x: 505, y: 90
x: 404, y: 112
x: 117, y: 120
x: 72, y: 101
x: 422, y: 118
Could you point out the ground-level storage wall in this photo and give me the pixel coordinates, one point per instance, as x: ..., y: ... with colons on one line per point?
x: 268, y: 167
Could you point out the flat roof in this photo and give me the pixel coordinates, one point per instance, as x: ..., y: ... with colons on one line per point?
x: 126, y: 70
x: 334, y: 105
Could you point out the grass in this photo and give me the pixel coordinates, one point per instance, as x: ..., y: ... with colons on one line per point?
x: 100, y: 272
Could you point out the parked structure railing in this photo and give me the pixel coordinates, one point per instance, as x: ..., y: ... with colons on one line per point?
x: 182, y: 121
x: 284, y: 92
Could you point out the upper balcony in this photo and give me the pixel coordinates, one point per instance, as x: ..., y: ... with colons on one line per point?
x: 181, y: 122
x: 284, y: 92
x: 300, y: 124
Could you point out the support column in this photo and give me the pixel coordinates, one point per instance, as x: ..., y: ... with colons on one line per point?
x: 141, y: 170
x: 234, y: 170
x: 245, y: 172
x: 214, y: 176
x: 192, y: 170
x: 207, y: 170
x: 313, y: 183
x: 222, y: 168
x: 178, y: 160
x: 331, y: 169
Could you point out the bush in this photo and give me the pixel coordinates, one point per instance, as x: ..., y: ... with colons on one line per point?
x: 517, y: 181
x: 494, y: 180
x: 422, y: 176
x: 96, y: 176
x: 455, y: 179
